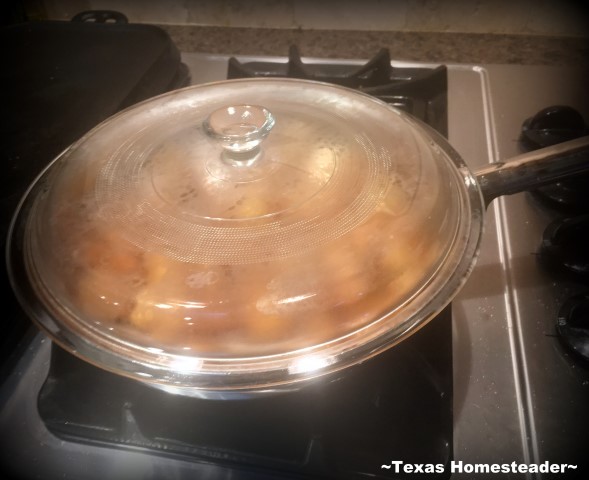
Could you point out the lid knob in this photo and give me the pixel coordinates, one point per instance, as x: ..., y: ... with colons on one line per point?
x: 239, y: 129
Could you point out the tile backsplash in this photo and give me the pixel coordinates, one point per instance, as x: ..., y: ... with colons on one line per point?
x: 529, y: 17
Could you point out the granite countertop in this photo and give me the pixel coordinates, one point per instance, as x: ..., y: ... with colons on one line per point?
x: 409, y: 46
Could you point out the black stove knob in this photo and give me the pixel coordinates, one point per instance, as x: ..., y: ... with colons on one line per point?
x: 565, y: 247
x: 552, y: 125
x: 572, y: 326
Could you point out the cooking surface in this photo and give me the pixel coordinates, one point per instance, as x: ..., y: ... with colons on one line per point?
x: 517, y: 396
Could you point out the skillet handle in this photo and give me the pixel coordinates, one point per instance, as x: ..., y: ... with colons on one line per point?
x: 534, y: 169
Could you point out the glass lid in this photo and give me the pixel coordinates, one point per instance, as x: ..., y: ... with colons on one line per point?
x: 241, y: 228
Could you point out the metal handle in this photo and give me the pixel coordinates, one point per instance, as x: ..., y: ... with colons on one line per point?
x: 534, y: 169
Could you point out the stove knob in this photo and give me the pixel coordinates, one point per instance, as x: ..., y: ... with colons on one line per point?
x: 564, y: 247
x: 573, y: 326
x: 550, y: 126
x: 553, y: 125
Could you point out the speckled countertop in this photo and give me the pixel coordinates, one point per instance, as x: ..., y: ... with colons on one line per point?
x: 410, y: 46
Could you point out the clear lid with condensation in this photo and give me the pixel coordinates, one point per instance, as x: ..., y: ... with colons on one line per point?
x: 241, y: 227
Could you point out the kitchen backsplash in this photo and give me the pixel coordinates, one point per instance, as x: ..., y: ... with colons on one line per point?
x: 527, y: 17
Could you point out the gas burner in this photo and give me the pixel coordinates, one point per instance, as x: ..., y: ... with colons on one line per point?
x: 419, y: 91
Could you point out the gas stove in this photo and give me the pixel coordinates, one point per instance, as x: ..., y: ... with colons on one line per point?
x: 517, y: 396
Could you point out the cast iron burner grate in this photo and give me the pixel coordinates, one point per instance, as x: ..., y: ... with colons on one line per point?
x: 420, y: 91
x: 395, y: 406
